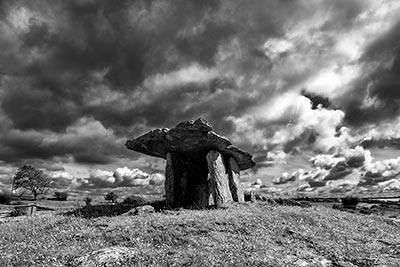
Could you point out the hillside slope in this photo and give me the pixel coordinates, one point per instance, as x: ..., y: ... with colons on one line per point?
x: 255, y: 234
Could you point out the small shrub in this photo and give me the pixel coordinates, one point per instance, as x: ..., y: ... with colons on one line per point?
x: 88, y: 201
x: 61, y: 196
x: 337, y: 206
x: 350, y: 202
x: 134, y: 200
x: 249, y: 196
x: 5, y: 199
x: 111, y: 196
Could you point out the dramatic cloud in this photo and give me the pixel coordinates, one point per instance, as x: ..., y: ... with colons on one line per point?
x: 62, y: 180
x: 285, y: 177
x: 342, y: 188
x: 391, y: 185
x: 291, y: 122
x: 122, y: 177
x: 87, y: 141
x: 126, y: 177
x: 378, y: 99
x: 380, y: 171
x: 304, y: 188
x: 157, y: 179
x: 280, y: 78
x: 101, y: 179
x: 349, y: 170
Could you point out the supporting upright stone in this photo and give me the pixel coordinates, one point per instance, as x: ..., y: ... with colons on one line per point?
x: 234, y: 181
x: 175, y: 180
x: 219, y: 178
x: 186, y: 184
x: 197, y: 192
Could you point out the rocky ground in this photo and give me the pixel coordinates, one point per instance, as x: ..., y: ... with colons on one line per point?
x: 246, y: 234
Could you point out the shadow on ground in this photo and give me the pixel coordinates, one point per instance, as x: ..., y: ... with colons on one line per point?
x: 94, y: 211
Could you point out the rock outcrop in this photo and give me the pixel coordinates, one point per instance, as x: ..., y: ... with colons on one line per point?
x: 111, y: 256
x: 202, y: 167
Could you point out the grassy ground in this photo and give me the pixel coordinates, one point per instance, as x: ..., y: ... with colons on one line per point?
x: 256, y: 234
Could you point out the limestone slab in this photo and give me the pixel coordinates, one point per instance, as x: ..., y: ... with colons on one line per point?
x: 219, y: 178
x: 234, y: 181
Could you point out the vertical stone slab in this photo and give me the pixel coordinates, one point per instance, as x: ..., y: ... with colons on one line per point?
x: 196, y: 194
x: 234, y: 181
x: 219, y: 178
x: 186, y: 183
x: 210, y: 194
x: 175, y: 181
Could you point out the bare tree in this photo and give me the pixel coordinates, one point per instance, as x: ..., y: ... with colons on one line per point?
x: 27, y: 178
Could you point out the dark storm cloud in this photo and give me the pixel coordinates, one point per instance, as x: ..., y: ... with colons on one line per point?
x: 53, y: 58
x: 345, y: 14
x: 129, y: 66
x: 86, y: 141
x: 34, y: 108
x: 51, y: 54
x: 315, y: 184
x: 381, y: 87
x: 339, y: 171
x: 317, y: 100
x: 381, y: 143
x: 385, y: 45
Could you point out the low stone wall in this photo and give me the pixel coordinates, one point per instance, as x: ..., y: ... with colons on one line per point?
x: 17, y: 210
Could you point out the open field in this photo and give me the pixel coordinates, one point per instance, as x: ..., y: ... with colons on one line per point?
x: 247, y: 234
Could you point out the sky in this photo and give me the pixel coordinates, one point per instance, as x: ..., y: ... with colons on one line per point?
x: 301, y: 84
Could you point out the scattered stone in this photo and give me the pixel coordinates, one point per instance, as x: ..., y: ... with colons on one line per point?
x: 141, y: 210
x: 145, y: 209
x: 326, y: 263
x: 112, y: 256
x: 301, y: 263
x: 344, y: 264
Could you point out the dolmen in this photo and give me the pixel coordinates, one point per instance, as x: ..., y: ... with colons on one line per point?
x: 202, y: 169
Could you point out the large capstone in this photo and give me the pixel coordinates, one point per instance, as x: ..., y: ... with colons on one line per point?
x: 200, y: 163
